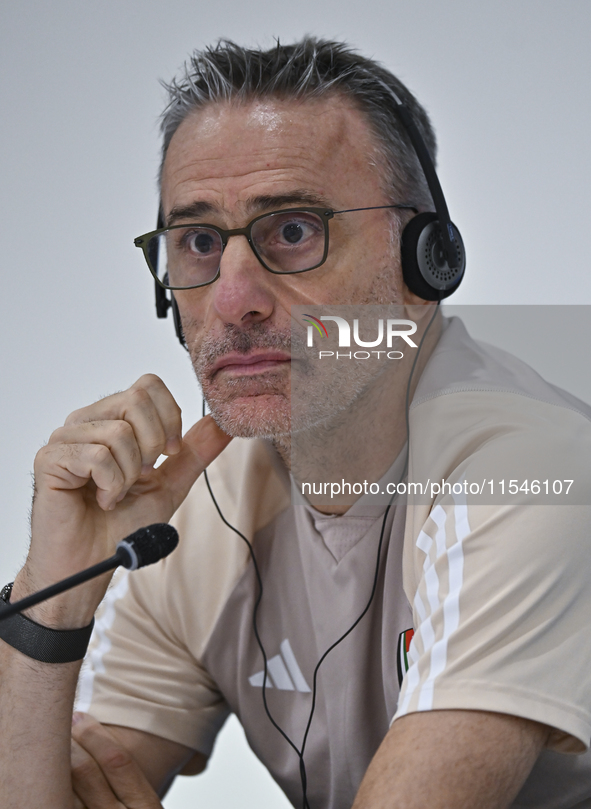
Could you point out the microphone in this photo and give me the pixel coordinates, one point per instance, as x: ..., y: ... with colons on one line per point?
x: 144, y: 547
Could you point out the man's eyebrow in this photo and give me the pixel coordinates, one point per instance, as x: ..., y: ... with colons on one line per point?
x: 299, y: 197
x: 195, y: 211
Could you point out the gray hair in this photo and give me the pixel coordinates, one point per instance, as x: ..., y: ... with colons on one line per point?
x: 310, y: 68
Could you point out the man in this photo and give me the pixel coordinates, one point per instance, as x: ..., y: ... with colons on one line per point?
x: 247, y: 135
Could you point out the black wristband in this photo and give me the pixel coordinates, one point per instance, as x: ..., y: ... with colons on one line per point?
x: 41, y: 642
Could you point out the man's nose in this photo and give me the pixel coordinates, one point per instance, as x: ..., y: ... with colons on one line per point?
x: 243, y: 291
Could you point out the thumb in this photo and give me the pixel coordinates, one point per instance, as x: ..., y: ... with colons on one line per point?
x: 200, y: 446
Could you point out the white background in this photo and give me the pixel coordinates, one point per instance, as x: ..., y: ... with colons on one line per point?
x: 507, y: 84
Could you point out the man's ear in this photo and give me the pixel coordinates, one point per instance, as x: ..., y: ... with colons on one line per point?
x: 410, y: 299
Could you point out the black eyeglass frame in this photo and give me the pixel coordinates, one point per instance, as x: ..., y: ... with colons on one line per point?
x: 325, y: 215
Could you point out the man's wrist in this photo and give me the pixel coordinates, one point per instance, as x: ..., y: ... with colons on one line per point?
x: 40, y: 642
x: 73, y: 609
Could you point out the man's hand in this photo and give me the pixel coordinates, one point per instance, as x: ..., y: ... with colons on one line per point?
x: 104, y: 773
x: 95, y: 483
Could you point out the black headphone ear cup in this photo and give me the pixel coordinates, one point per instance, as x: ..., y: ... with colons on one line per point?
x: 425, y: 271
x: 178, y: 326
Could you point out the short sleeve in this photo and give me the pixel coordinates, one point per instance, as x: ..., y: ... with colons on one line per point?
x: 502, y: 616
x: 138, y: 674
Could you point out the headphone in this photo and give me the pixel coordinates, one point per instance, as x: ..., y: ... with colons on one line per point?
x: 432, y: 253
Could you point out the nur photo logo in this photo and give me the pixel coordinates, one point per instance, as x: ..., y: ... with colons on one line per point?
x: 388, y: 330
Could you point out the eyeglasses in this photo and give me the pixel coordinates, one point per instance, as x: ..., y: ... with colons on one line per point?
x: 285, y: 242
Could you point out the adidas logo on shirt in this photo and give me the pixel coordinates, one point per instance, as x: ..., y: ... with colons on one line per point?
x: 283, y: 672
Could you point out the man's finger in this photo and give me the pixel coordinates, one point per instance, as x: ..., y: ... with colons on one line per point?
x: 149, y: 407
x: 129, y: 786
x: 167, y: 407
x: 71, y: 466
x: 90, y: 785
x: 117, y: 436
x: 201, y: 445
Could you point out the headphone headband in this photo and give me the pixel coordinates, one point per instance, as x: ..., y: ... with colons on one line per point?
x: 428, y: 167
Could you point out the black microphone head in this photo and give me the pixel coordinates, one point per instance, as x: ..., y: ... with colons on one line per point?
x: 147, y: 545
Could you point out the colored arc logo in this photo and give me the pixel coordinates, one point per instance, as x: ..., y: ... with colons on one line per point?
x: 318, y: 324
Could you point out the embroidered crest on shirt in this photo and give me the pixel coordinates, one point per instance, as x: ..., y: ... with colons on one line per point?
x: 402, y: 661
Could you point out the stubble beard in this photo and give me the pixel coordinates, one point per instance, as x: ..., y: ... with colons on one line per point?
x: 250, y: 406
x: 260, y: 406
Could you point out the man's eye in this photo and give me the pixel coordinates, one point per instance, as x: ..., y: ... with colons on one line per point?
x: 292, y: 232
x: 201, y: 243
x: 296, y: 231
